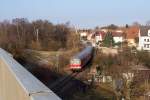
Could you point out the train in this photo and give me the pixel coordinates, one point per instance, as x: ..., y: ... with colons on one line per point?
x: 78, y: 61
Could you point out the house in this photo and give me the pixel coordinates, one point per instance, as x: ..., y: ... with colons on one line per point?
x: 90, y: 36
x: 99, y: 36
x: 83, y: 35
x: 118, y: 36
x: 144, y: 38
x: 131, y: 35
x: 96, y: 37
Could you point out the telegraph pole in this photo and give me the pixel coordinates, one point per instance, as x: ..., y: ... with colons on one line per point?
x: 37, y: 35
x: 57, y: 55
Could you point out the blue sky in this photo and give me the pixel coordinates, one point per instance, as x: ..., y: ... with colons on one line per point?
x: 81, y: 13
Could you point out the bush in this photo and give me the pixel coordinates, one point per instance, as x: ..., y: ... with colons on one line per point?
x: 144, y: 58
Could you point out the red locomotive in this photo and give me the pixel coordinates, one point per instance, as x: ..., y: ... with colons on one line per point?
x: 81, y: 59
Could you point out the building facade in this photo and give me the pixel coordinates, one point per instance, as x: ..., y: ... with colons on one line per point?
x: 118, y: 36
x: 144, y: 38
x: 131, y: 34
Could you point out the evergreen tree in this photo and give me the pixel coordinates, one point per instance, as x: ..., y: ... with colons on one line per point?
x: 108, y: 40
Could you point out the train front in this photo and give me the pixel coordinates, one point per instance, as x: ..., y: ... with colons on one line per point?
x: 75, y: 64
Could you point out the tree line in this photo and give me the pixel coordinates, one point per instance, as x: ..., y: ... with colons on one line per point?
x: 40, y: 34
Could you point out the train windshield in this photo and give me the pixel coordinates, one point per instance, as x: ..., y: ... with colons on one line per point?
x: 75, y: 61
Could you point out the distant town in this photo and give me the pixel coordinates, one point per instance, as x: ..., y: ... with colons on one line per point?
x: 135, y: 36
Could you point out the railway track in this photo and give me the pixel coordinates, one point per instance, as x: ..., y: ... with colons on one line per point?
x: 60, y: 83
x: 68, y: 85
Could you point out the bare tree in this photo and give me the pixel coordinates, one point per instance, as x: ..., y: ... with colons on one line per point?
x: 148, y: 23
x: 136, y: 23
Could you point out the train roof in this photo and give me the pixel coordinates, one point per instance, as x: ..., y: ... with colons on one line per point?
x: 80, y: 55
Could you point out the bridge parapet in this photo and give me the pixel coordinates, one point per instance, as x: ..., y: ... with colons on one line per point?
x: 16, y: 83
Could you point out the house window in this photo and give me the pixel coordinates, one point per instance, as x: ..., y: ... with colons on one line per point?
x: 147, y: 45
x: 145, y: 40
x: 144, y: 45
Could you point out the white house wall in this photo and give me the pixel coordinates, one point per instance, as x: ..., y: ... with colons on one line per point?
x: 144, y: 42
x: 98, y: 38
x: 118, y: 39
x: 83, y: 34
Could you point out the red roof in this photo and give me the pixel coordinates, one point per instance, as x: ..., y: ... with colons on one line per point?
x: 100, y: 33
x: 117, y: 34
x: 132, y: 32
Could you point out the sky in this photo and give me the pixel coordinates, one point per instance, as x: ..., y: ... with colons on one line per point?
x: 80, y: 13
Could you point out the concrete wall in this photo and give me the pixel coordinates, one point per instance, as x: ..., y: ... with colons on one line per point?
x: 16, y: 83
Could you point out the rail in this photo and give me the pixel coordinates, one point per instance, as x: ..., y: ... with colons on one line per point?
x: 16, y: 83
x: 57, y: 86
